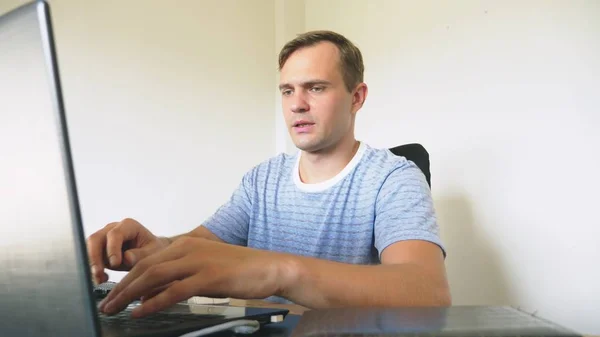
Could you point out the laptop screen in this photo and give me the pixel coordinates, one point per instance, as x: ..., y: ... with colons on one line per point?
x: 43, y: 283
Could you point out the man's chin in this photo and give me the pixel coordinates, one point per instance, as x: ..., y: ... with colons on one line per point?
x: 307, y: 147
x: 310, y: 147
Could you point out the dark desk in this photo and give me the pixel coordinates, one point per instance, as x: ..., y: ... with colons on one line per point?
x: 283, y: 329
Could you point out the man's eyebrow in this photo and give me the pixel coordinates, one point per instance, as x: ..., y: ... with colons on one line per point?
x: 305, y: 84
x: 315, y: 82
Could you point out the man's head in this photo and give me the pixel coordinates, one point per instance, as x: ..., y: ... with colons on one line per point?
x: 322, y: 88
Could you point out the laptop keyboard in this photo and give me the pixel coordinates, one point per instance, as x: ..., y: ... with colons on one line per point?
x: 157, y: 320
x: 153, y: 321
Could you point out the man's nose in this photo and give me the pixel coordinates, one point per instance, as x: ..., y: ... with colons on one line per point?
x: 299, y: 103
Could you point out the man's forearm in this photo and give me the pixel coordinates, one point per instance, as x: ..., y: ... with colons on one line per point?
x: 318, y: 283
x: 198, y: 232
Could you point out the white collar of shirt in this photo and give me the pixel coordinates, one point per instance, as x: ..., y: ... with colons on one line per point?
x: 324, y: 185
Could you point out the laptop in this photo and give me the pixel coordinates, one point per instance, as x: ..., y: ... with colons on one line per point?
x: 45, y: 281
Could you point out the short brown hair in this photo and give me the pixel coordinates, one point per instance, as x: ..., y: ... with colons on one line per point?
x: 351, y: 61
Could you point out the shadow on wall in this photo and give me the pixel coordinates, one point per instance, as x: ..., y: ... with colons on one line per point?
x: 474, y: 272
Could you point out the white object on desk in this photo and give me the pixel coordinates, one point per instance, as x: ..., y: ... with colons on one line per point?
x: 207, y: 300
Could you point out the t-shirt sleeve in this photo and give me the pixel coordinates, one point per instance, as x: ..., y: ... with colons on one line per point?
x: 404, y: 209
x: 230, y: 222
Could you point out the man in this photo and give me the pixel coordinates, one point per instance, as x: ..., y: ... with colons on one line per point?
x: 339, y: 224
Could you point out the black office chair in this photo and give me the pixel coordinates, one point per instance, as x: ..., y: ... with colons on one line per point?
x: 417, y: 154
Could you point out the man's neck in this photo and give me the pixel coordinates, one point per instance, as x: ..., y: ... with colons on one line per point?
x: 324, y: 165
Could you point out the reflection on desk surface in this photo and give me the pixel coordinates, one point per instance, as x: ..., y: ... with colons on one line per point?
x: 294, y: 310
x: 425, y: 321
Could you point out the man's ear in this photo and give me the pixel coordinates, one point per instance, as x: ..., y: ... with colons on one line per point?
x: 359, y: 95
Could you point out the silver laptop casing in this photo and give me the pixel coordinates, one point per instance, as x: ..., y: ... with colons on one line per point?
x: 44, y: 279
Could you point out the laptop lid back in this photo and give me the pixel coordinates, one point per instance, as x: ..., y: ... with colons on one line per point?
x: 44, y: 279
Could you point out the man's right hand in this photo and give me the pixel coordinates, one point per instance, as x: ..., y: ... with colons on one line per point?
x: 119, y: 246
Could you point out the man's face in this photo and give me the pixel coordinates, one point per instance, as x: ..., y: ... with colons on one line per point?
x: 318, y: 109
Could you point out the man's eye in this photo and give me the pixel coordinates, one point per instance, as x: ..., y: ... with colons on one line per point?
x: 286, y: 92
x: 317, y: 89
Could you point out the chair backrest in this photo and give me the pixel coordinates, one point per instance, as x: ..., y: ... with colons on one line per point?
x: 417, y: 154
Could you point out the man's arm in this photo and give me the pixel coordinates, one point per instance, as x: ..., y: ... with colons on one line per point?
x: 199, y: 232
x: 412, y: 273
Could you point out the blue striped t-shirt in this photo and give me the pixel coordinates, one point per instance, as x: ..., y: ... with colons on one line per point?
x: 377, y: 199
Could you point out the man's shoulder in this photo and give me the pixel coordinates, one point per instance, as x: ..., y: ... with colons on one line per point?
x: 281, y: 160
x: 380, y: 166
x: 274, y: 166
x: 381, y: 161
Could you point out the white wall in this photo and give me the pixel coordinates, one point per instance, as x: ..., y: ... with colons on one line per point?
x: 289, y: 22
x: 168, y: 104
x: 504, y: 95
